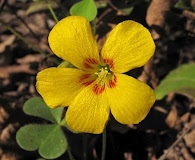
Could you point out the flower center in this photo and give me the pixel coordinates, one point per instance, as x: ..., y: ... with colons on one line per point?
x: 104, y: 78
x: 103, y: 74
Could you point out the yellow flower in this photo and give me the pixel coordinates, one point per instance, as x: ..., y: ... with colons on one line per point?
x: 97, y: 86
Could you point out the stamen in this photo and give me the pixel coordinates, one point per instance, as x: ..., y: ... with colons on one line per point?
x: 102, y: 77
x: 103, y: 74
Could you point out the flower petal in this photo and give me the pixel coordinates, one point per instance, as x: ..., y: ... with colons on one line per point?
x: 130, y: 100
x: 71, y: 39
x: 129, y: 45
x: 59, y: 86
x: 88, y: 112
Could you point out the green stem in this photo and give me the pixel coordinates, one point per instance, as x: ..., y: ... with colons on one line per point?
x: 93, y: 24
x: 17, y: 34
x: 103, y: 145
x: 70, y: 154
x: 85, y: 147
x: 52, y: 12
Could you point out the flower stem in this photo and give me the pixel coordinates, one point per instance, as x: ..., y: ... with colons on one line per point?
x: 70, y: 154
x: 52, y: 12
x: 103, y: 145
x: 93, y: 24
x: 85, y: 140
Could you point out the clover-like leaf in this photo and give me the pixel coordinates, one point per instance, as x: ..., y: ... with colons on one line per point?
x: 181, y: 80
x: 48, y: 139
x: 85, y: 8
x: 37, y: 107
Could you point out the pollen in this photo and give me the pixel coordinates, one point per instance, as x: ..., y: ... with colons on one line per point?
x: 104, y: 78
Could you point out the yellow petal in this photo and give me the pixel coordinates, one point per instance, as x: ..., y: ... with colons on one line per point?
x: 129, y: 45
x: 130, y: 100
x: 71, y: 39
x: 88, y: 112
x: 59, y: 86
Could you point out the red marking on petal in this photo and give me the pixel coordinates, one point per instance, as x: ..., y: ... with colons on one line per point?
x: 87, y: 65
x: 87, y: 83
x: 112, y: 82
x: 85, y: 79
x: 98, y: 89
x: 109, y: 62
x: 88, y: 62
x: 84, y: 76
x: 91, y: 60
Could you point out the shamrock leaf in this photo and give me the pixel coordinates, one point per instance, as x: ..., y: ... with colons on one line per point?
x: 85, y: 8
x: 48, y: 139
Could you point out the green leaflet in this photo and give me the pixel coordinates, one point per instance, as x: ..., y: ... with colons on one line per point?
x: 181, y: 80
x: 35, y: 106
x: 85, y: 8
x: 48, y: 139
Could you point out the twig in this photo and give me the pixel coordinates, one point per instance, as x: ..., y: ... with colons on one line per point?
x: 6, y: 71
x: 115, y: 8
x: 36, y: 48
x: 23, y: 21
x: 163, y: 157
x: 146, y: 71
x: 2, y: 5
x: 189, y: 14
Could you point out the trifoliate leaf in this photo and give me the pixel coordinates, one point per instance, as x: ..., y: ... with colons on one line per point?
x: 54, y: 145
x: 37, y: 107
x: 181, y: 80
x: 48, y: 139
x: 85, y: 8
x: 30, y: 136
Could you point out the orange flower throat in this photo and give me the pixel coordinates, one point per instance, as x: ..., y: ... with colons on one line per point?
x: 102, y: 76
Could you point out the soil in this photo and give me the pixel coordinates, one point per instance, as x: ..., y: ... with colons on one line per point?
x: 167, y: 132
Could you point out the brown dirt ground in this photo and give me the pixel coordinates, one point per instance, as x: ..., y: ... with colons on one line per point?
x: 168, y: 131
